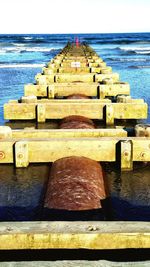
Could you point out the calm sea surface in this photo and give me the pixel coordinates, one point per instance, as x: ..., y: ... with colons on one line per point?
x: 21, y: 58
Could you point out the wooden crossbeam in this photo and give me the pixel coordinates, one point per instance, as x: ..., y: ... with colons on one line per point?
x: 58, y: 109
x: 23, y: 151
x: 65, y: 89
x: 6, y: 132
x: 74, y: 235
x: 114, y: 89
x: 76, y: 69
x: 66, y: 77
x: 61, y: 89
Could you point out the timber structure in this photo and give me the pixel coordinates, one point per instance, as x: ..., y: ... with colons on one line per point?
x: 75, y: 70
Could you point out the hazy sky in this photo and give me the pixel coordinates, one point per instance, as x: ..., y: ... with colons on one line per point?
x: 74, y: 16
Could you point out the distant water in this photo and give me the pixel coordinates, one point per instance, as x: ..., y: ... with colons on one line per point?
x: 22, y: 56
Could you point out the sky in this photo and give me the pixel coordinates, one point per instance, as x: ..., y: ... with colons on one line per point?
x: 74, y: 16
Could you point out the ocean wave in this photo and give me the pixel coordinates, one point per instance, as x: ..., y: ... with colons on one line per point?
x: 140, y: 67
x: 28, y: 38
x: 128, y: 59
x: 117, y: 41
x: 135, y: 50
x: 5, y: 66
x: 21, y: 49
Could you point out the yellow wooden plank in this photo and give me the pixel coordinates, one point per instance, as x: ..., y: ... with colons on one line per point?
x: 6, y: 152
x: 58, y: 133
x: 49, y: 149
x: 96, y: 64
x: 74, y: 235
x: 126, y: 155
x: 101, y: 77
x: 21, y: 154
x: 89, y: 89
x: 114, y: 89
x: 141, y: 149
x: 65, y: 64
x: 19, y: 111
x: 130, y: 111
x: 88, y: 108
x: 62, y: 89
x: 74, y: 77
x: 73, y: 70
x: 45, y: 79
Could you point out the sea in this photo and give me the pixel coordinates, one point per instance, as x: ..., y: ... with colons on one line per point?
x: 21, y: 58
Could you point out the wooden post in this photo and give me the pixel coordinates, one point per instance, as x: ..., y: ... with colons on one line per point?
x: 21, y: 154
x: 5, y: 132
x: 126, y: 155
x: 41, y: 113
x: 102, y: 92
x: 50, y: 91
x: 106, y: 70
x: 29, y: 99
x: 109, y: 115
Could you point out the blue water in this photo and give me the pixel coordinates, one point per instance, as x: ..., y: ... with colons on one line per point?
x: 22, y: 56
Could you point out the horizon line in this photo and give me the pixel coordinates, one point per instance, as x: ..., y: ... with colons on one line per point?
x: 71, y: 33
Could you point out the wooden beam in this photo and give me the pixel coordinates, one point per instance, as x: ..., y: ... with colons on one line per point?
x: 101, y: 77
x: 59, y: 133
x: 96, y: 64
x: 92, y: 109
x: 73, y: 70
x: 47, y: 149
x: 61, y: 89
x: 65, y: 64
x: 74, y: 235
x: 66, y: 77
x: 65, y: 89
x: 114, y: 89
x: 109, y: 119
x: 126, y: 155
x: 21, y: 154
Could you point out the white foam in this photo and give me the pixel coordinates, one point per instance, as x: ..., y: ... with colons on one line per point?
x: 28, y: 38
x: 132, y: 59
x: 23, y: 65
x: 136, y: 49
x: 19, y: 49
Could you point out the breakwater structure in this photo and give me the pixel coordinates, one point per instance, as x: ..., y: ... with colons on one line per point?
x: 76, y: 84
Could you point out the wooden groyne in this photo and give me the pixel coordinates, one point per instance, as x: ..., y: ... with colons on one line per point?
x: 74, y: 71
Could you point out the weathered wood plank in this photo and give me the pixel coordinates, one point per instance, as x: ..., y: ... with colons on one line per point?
x: 96, y: 64
x: 66, y: 77
x: 73, y: 70
x: 99, y: 149
x: 114, y: 89
x: 91, y: 109
x: 59, y: 133
x: 74, y: 235
x: 101, y: 77
x: 62, y: 89
x: 89, y: 89
x: 65, y: 64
